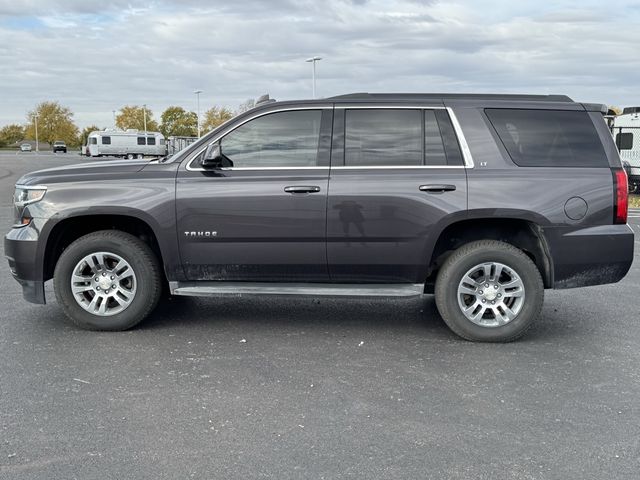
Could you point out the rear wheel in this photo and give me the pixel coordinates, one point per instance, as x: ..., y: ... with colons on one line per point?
x: 130, y: 156
x: 489, y: 291
x: 107, y: 280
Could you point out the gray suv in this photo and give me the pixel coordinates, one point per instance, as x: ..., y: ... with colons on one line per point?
x: 483, y: 200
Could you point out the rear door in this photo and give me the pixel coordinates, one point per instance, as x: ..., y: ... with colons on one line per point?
x: 263, y: 217
x: 396, y: 173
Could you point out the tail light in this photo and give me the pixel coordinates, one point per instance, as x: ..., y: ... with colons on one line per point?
x: 621, y: 195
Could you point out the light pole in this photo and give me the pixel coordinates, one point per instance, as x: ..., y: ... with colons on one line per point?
x: 197, y: 94
x: 313, y: 61
x: 145, y: 120
x: 114, y: 118
x: 35, y: 117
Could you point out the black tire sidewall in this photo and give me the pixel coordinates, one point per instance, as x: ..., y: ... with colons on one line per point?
x: 514, y: 259
x: 135, y: 253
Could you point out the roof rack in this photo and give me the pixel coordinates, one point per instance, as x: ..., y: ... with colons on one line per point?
x: 459, y: 96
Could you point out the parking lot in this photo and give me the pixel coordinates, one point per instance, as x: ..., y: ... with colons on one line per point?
x: 317, y: 388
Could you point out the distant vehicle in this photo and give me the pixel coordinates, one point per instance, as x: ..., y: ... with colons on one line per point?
x: 125, y: 143
x: 175, y: 144
x: 626, y: 132
x: 25, y: 147
x: 59, y: 146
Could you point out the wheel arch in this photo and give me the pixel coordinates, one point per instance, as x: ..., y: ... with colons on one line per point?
x: 70, y: 227
x: 523, y: 233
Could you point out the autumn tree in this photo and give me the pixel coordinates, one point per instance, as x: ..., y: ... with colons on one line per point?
x: 176, y: 121
x: 214, y: 117
x: 86, y: 131
x: 55, y: 122
x: 132, y: 116
x: 11, y: 134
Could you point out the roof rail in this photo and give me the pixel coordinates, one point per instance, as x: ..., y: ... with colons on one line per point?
x: 458, y: 96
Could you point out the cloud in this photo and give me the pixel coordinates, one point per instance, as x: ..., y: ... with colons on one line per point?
x: 96, y: 57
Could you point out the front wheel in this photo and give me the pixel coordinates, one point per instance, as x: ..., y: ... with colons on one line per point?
x: 107, y: 280
x: 489, y: 291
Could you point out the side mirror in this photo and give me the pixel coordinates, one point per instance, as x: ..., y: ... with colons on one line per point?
x: 212, y: 157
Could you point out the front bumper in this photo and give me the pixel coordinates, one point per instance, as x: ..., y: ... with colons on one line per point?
x: 21, y: 250
x: 590, y: 256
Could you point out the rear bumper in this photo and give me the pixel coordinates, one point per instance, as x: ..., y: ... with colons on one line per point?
x: 590, y: 256
x: 21, y: 251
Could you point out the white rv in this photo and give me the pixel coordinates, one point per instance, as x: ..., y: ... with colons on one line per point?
x: 626, y: 132
x: 126, y: 143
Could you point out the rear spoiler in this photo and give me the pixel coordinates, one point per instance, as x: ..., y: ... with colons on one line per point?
x: 595, y: 107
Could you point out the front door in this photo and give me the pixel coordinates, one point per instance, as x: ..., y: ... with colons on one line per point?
x: 396, y: 173
x: 262, y: 217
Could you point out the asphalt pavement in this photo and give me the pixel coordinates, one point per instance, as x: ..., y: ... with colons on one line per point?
x: 281, y: 388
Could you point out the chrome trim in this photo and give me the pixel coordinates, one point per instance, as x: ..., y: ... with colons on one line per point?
x: 464, y: 146
x: 221, y: 288
x: 252, y: 117
x: 31, y: 187
x: 466, y: 152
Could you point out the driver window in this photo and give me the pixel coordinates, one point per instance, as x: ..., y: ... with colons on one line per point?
x: 282, y: 139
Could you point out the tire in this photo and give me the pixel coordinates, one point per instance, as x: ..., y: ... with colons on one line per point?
x: 134, y: 294
x: 130, y: 156
x: 139, y: 156
x: 512, y: 312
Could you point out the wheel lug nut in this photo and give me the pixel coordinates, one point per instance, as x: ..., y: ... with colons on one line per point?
x: 104, y: 274
x: 113, y: 286
x: 97, y: 279
x: 499, y: 295
x: 493, y: 302
x: 112, y: 277
x: 480, y: 292
x: 484, y: 301
x: 495, y: 286
x: 486, y: 285
x: 98, y: 288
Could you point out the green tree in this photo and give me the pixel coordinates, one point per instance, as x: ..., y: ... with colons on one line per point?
x: 55, y: 122
x: 85, y: 133
x: 132, y: 116
x: 214, y: 117
x: 11, y: 134
x: 177, y: 121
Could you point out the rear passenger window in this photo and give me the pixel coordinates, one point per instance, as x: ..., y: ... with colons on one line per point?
x: 449, y: 139
x: 433, y: 144
x: 383, y: 137
x: 624, y: 141
x: 548, y: 138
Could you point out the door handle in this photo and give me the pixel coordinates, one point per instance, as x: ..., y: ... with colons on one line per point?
x: 437, y: 188
x: 302, y: 189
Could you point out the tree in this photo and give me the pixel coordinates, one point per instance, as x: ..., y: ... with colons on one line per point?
x: 214, y: 117
x: 177, y: 121
x: 11, y: 134
x: 132, y: 116
x: 55, y: 122
x: 246, y: 105
x: 85, y: 133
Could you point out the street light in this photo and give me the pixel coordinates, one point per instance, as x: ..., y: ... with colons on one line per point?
x: 35, y: 117
x: 114, y: 118
x: 313, y: 61
x: 145, y: 120
x: 197, y: 93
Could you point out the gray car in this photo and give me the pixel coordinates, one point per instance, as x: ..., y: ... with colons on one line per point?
x: 483, y: 200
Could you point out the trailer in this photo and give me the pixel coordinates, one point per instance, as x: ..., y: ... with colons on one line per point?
x: 126, y: 144
x: 175, y: 144
x: 626, y: 132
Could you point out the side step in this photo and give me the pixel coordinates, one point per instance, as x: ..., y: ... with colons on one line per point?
x: 209, y: 289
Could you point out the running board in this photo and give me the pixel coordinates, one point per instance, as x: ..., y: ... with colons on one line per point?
x: 209, y: 289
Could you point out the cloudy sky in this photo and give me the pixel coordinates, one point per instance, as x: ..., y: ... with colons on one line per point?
x: 96, y: 56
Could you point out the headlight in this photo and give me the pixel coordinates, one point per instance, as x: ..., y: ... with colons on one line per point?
x: 24, y: 194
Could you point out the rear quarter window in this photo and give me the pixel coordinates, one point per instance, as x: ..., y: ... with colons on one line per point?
x: 548, y: 138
